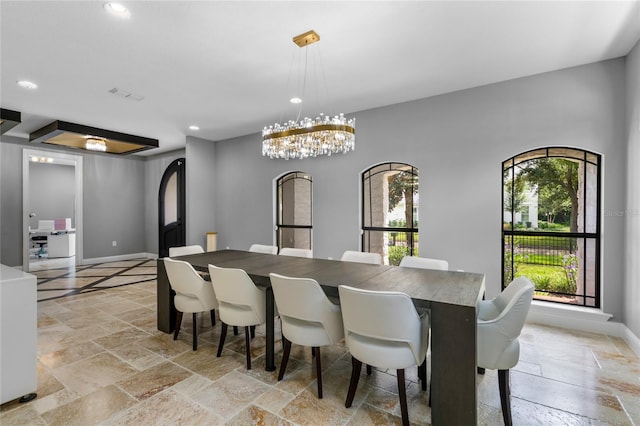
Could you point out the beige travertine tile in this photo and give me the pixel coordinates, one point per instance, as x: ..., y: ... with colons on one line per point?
x: 307, y: 409
x: 274, y: 400
x: 204, y: 362
x: 70, y: 354
x: 230, y: 394
x: 129, y: 336
x: 140, y: 358
x: 90, y: 409
x: 253, y: 415
x: 370, y: 415
x: 147, y: 383
x: 167, y: 408
x: 571, y: 398
x: 21, y: 415
x: 90, y: 374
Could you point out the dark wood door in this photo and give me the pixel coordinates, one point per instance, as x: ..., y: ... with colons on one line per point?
x: 172, y: 208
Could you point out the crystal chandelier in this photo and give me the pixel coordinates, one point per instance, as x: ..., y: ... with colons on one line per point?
x: 308, y: 137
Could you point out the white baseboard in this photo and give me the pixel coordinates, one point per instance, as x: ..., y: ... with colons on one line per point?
x: 632, y: 340
x: 581, y: 319
x: 119, y: 258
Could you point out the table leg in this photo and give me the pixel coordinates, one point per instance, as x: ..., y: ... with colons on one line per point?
x: 270, y: 364
x: 166, y: 310
x: 453, y: 365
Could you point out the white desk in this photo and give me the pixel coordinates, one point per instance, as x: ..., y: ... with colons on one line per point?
x: 60, y: 243
x: 18, y: 334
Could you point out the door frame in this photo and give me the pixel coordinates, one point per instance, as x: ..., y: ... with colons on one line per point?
x: 63, y: 158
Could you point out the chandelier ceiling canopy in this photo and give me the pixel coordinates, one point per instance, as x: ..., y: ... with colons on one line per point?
x: 307, y: 137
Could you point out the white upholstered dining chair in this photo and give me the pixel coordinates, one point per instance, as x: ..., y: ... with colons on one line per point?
x: 308, y: 317
x: 500, y: 322
x: 296, y: 252
x: 241, y: 304
x: 383, y: 329
x: 185, y: 250
x: 261, y: 248
x: 361, y: 257
x: 193, y: 294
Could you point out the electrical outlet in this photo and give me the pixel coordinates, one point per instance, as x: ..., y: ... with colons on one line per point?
x: 114, y: 243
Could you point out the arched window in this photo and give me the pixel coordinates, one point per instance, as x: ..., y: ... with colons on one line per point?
x: 390, y: 211
x: 551, y: 223
x: 294, y: 219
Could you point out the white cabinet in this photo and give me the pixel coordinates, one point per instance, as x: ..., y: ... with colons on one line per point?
x: 61, y: 245
x: 18, y: 334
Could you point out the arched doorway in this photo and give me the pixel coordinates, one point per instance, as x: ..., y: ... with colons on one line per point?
x: 172, y: 208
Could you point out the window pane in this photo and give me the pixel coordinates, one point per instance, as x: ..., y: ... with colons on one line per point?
x: 295, y: 237
x: 391, y: 245
x: 171, y: 200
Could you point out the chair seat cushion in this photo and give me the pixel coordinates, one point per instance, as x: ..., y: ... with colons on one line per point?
x: 189, y: 304
x: 381, y: 353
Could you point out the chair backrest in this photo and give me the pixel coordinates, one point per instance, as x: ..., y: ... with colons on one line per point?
x: 380, y: 316
x: 241, y: 302
x: 296, y: 252
x: 424, y: 263
x: 306, y: 311
x: 361, y: 257
x: 498, y: 331
x: 185, y: 281
x: 185, y: 250
x: 260, y: 248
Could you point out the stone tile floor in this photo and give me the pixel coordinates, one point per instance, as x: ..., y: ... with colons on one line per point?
x: 101, y: 360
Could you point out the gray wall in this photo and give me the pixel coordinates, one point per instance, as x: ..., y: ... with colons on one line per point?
x: 201, y: 184
x: 153, y: 171
x: 458, y: 141
x: 632, y: 216
x: 114, y: 205
x: 52, y: 189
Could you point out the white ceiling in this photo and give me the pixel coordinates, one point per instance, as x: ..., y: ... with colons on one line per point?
x: 225, y: 65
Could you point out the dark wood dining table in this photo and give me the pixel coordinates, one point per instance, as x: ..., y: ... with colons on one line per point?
x: 451, y: 296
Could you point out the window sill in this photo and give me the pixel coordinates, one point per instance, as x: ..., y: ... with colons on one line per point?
x: 573, y: 317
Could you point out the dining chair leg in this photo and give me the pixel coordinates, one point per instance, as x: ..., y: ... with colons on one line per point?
x: 178, y: 324
x: 213, y: 318
x: 422, y: 374
x: 356, y: 366
x: 402, y: 393
x: 285, y: 357
x: 253, y: 331
x: 313, y: 352
x: 235, y: 330
x: 223, y: 335
x: 247, y: 342
x: 505, y: 396
x: 318, y: 371
x: 369, y: 369
x: 195, y: 331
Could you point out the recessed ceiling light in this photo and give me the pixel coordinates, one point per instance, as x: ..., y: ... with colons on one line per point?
x: 117, y: 9
x: 295, y: 100
x: 194, y: 128
x: 26, y: 84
